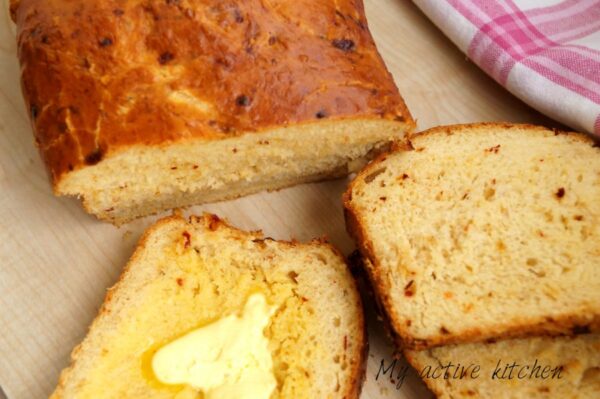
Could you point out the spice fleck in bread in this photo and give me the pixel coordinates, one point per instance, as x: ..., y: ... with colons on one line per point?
x: 540, y: 367
x: 187, y: 274
x: 139, y: 106
x: 482, y: 231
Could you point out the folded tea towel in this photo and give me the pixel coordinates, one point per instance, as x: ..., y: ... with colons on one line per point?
x: 546, y: 52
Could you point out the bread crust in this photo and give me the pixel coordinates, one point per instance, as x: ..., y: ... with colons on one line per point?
x: 569, y: 325
x: 152, y: 73
x: 456, y: 128
x: 561, y: 351
x: 213, y: 222
x: 408, y: 355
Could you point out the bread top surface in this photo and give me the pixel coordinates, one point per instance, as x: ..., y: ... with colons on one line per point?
x: 99, y: 76
x: 186, y: 274
x: 482, y: 231
x: 544, y: 367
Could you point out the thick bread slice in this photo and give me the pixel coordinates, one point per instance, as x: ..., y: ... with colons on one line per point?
x: 162, y: 104
x: 482, y: 231
x: 184, y: 274
x: 549, y: 367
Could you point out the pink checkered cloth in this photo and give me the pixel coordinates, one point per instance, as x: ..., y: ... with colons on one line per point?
x: 546, y: 52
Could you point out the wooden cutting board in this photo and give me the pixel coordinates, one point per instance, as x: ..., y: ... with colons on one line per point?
x: 56, y: 262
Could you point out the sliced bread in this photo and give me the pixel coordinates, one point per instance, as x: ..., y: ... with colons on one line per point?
x: 186, y: 274
x: 482, y: 231
x: 540, y: 367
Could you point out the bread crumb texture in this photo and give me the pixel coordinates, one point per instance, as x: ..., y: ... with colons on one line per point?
x: 187, y: 274
x: 154, y: 105
x: 483, y: 231
x: 578, y: 360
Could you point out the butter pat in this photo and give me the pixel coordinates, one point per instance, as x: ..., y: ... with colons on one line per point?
x: 227, y: 359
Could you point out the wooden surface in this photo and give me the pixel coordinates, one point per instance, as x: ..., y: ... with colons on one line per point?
x: 56, y: 261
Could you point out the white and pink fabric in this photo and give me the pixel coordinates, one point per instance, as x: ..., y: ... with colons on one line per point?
x: 546, y: 52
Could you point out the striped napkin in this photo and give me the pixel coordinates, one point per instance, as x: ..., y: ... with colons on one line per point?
x: 546, y: 52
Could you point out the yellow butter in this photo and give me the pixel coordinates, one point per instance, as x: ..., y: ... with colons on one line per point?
x: 227, y: 359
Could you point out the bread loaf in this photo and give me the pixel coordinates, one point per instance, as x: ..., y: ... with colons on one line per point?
x: 185, y: 274
x: 482, y: 231
x: 140, y: 106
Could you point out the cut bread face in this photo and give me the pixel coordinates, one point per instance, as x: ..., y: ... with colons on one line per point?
x: 142, y: 180
x: 540, y: 367
x: 186, y: 274
x: 159, y: 105
x: 482, y: 231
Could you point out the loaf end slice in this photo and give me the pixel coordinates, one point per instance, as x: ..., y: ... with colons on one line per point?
x: 184, y: 274
x: 482, y: 231
x: 536, y: 368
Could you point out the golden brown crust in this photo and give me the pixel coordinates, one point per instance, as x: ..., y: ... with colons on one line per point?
x: 376, y: 284
x: 213, y: 222
x: 567, y: 325
x: 104, y: 308
x: 443, y: 390
x: 434, y: 388
x: 99, y: 77
x: 454, y: 129
x: 360, y: 268
x: 359, y: 371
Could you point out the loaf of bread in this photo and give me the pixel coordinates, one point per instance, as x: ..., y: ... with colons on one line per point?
x: 532, y: 368
x: 185, y: 274
x: 482, y: 231
x: 141, y: 106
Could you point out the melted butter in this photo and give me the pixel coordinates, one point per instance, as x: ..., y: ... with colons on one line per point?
x: 226, y: 359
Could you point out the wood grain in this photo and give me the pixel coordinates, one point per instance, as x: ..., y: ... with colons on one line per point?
x: 56, y: 261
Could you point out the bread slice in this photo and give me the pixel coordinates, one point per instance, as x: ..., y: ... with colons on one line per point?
x: 158, y: 105
x: 482, y: 231
x: 550, y: 367
x: 186, y: 273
